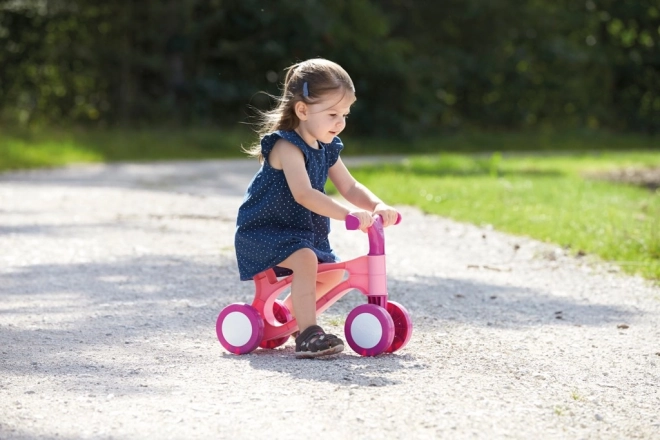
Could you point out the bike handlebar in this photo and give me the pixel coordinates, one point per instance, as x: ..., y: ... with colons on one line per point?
x: 353, y: 223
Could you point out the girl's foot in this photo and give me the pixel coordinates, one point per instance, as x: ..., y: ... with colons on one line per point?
x: 314, y: 342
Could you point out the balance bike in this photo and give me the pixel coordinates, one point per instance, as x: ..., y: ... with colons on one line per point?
x: 370, y: 329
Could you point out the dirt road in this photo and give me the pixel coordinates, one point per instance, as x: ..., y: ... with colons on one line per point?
x: 111, y: 278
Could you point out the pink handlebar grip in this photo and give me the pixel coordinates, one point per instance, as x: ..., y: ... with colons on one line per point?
x: 353, y: 223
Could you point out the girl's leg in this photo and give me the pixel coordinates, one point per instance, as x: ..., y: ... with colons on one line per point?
x: 324, y: 283
x: 312, y: 340
x: 304, y: 265
x: 327, y: 280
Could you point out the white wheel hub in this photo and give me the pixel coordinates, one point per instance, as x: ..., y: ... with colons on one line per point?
x: 237, y: 329
x: 366, y: 330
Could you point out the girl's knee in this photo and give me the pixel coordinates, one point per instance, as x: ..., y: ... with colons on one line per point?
x: 304, y: 257
x: 305, y: 253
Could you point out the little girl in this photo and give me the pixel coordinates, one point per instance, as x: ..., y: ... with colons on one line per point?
x: 284, y: 222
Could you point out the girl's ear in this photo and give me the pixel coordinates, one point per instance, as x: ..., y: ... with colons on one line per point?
x: 301, y: 110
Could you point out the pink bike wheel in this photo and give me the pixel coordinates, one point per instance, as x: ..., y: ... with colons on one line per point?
x: 239, y: 328
x: 369, y: 330
x: 283, y: 315
x: 402, y: 326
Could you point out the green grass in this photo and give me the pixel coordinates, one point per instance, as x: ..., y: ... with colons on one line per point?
x: 47, y: 148
x: 575, y: 395
x: 545, y: 197
x: 54, y: 147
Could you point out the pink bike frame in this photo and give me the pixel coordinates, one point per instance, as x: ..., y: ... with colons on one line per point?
x: 366, y: 274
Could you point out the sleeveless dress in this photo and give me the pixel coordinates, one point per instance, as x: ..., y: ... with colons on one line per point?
x: 271, y: 225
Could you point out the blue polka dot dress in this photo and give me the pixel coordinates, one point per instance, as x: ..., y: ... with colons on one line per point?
x: 271, y: 225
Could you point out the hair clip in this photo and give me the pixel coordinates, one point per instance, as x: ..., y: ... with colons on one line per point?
x: 305, y: 90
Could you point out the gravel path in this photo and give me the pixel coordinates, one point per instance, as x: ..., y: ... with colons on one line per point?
x: 111, y: 278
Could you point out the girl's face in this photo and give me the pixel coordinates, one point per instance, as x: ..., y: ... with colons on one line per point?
x: 325, y: 119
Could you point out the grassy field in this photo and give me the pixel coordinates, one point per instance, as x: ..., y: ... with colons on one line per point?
x: 552, y: 197
x: 47, y: 148
x: 53, y: 147
x: 545, y: 193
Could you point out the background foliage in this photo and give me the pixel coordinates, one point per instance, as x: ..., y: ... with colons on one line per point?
x: 419, y: 66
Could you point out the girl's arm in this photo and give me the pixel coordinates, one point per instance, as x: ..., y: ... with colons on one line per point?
x: 360, y: 195
x: 292, y: 162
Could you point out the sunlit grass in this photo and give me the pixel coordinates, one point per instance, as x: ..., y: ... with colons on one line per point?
x: 53, y: 147
x: 17, y: 153
x: 543, y: 197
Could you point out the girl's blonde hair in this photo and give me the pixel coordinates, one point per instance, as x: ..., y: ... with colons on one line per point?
x: 307, y: 82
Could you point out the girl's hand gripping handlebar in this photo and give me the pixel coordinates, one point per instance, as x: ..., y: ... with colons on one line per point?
x: 353, y: 223
x: 375, y: 231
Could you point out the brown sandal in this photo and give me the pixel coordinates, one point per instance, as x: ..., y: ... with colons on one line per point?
x: 314, y: 342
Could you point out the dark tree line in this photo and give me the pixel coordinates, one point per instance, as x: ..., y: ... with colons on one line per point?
x: 419, y: 66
